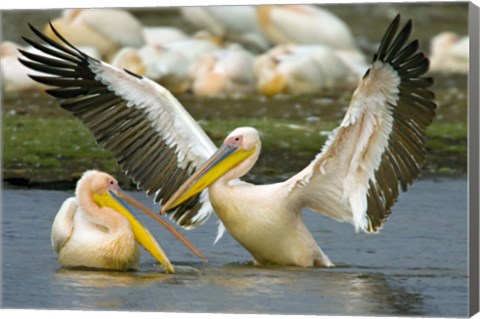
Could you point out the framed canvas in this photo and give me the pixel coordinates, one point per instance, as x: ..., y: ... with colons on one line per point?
x: 385, y: 182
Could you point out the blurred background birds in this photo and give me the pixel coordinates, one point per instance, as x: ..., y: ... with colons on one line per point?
x: 449, y: 53
x: 228, y: 51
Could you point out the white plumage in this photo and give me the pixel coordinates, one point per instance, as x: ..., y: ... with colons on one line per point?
x: 85, y: 235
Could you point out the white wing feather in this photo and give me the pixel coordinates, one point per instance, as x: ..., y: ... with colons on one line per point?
x: 379, y: 144
x: 165, y: 113
x: 62, y: 227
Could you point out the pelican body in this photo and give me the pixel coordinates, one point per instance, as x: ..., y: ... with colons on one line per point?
x: 378, y: 149
x: 94, y: 230
x: 93, y: 245
x: 278, y: 235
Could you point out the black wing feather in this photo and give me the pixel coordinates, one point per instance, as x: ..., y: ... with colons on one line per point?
x: 118, y: 127
x: 402, y: 160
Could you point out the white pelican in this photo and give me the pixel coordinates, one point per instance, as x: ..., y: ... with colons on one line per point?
x: 225, y: 72
x: 449, y: 53
x: 379, y: 145
x: 304, y: 24
x: 107, y: 30
x: 234, y: 23
x: 15, y: 75
x: 163, y: 35
x: 170, y: 65
x: 95, y: 230
x: 130, y: 58
x: 296, y: 69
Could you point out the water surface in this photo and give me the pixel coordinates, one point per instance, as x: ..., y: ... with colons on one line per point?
x: 417, y: 265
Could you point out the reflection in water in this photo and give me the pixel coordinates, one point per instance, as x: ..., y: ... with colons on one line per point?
x: 243, y: 288
x: 338, y: 291
x: 372, y: 293
x: 92, y: 289
x: 107, y: 279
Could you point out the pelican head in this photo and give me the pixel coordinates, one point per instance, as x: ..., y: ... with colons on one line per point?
x: 97, y: 182
x: 236, y: 156
x: 103, y: 189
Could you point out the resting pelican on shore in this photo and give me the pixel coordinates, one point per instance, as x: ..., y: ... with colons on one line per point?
x: 14, y: 75
x: 237, y: 24
x: 379, y: 146
x: 224, y: 72
x: 449, y: 53
x: 297, y: 69
x: 304, y: 24
x: 95, y: 230
x: 107, y: 30
x: 168, y: 65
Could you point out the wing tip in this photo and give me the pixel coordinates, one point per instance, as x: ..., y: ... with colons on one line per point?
x: 403, y: 55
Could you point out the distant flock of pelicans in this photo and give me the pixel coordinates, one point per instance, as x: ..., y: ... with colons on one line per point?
x: 238, y: 50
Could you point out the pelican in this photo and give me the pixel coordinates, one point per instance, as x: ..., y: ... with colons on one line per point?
x: 130, y: 58
x: 168, y: 65
x: 163, y: 35
x: 378, y: 147
x: 224, y: 72
x: 304, y: 24
x: 15, y: 75
x: 449, y: 53
x: 296, y: 69
x: 95, y: 230
x: 107, y: 30
x: 235, y: 23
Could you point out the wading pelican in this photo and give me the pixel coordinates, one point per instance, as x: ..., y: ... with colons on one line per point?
x: 95, y: 230
x: 378, y: 147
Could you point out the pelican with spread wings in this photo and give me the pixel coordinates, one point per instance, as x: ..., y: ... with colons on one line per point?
x: 378, y: 148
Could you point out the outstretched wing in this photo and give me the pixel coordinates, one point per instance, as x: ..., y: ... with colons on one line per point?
x: 153, y: 138
x: 379, y: 144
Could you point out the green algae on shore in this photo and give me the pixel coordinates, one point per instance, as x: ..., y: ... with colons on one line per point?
x: 49, y: 150
x: 45, y: 146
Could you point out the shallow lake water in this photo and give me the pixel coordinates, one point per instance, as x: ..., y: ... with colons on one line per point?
x: 417, y: 265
